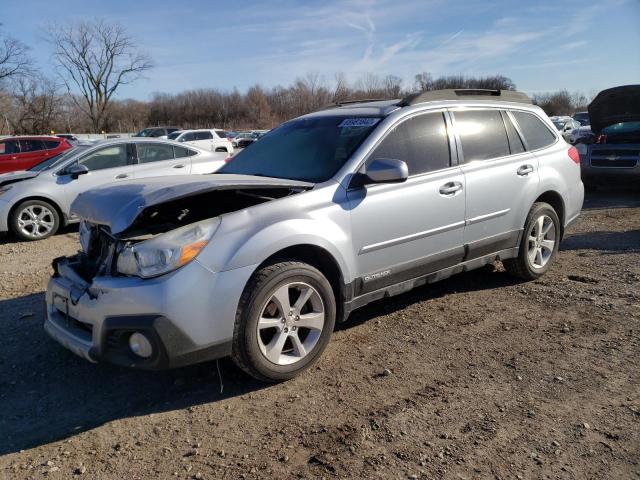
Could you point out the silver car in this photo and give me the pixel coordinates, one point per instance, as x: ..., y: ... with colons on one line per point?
x: 328, y: 212
x: 35, y: 203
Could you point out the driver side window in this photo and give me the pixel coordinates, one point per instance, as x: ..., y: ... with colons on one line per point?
x: 109, y: 157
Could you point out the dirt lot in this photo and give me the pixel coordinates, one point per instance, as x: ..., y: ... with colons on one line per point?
x: 489, y: 378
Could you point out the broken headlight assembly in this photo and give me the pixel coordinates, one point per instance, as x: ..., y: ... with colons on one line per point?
x: 168, y: 251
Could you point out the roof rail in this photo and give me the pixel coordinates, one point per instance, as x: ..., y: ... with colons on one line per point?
x: 351, y: 102
x: 465, y: 94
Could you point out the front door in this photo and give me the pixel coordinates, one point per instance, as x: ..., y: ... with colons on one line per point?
x: 112, y: 163
x: 406, y: 230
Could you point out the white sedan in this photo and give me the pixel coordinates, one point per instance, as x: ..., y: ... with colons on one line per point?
x: 214, y: 140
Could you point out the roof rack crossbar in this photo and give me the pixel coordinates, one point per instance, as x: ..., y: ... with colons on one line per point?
x: 465, y: 94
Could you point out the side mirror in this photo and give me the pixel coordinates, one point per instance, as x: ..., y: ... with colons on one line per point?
x: 386, y: 170
x: 76, y: 170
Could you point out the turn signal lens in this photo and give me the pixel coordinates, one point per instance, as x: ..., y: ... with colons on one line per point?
x: 189, y: 252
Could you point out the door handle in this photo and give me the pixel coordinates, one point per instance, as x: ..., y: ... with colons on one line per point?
x: 450, y: 188
x: 524, y: 170
x: 122, y: 175
x: 178, y: 166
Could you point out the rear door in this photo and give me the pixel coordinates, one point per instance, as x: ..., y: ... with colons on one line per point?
x: 156, y: 159
x: 406, y: 230
x: 501, y: 179
x: 203, y: 139
x: 32, y: 152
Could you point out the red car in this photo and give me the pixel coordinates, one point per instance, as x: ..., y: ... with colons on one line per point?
x: 21, y: 153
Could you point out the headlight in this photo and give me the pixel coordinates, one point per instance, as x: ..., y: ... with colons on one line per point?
x: 5, y: 189
x: 167, y: 252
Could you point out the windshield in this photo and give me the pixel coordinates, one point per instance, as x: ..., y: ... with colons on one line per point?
x: 559, y: 125
x: 174, y: 135
x: 308, y: 149
x: 57, y: 159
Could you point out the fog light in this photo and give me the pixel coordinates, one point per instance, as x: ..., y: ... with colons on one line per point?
x: 140, y: 345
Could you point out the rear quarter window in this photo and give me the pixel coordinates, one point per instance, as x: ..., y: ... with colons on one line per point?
x: 51, y: 144
x: 535, y: 132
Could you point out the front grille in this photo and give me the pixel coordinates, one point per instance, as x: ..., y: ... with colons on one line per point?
x: 614, y: 157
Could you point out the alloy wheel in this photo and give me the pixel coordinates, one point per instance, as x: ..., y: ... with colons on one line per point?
x: 36, y: 221
x: 542, y: 241
x: 291, y: 323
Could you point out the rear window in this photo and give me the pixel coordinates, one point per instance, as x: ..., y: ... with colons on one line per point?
x: 222, y: 133
x: 482, y: 133
x: 536, y: 133
x: 31, y: 145
x: 181, y: 152
x: 204, y: 135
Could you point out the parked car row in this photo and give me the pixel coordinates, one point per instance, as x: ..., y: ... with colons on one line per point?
x: 279, y: 244
x: 34, y: 203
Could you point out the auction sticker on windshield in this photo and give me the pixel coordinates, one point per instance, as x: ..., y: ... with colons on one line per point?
x: 358, y: 122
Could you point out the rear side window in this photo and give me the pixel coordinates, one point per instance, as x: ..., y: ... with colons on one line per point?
x: 151, y: 152
x: 31, y: 145
x: 222, y: 133
x: 181, y: 152
x: 188, y: 137
x: 203, y: 136
x: 515, y: 142
x: 49, y: 144
x: 421, y: 142
x: 482, y: 134
x: 9, y: 146
x: 536, y: 133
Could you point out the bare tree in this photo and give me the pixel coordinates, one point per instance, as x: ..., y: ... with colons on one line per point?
x: 96, y: 58
x: 14, y: 58
x: 36, y: 105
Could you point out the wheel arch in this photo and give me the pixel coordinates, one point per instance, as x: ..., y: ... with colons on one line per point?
x: 554, y: 199
x: 320, y: 258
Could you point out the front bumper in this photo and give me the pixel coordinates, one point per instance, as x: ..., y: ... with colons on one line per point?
x: 187, y: 315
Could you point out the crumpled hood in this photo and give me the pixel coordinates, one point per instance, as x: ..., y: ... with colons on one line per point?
x: 614, y: 105
x: 119, y: 204
x: 13, y: 177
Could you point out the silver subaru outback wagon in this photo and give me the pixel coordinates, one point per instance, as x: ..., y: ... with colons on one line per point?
x: 326, y: 213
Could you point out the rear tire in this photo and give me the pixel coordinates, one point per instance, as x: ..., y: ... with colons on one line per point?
x: 539, y: 244
x: 284, y: 321
x: 34, y: 220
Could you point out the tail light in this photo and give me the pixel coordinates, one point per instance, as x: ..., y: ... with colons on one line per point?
x: 228, y: 159
x: 574, y: 155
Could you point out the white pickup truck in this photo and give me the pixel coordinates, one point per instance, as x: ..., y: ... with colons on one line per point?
x: 208, y: 139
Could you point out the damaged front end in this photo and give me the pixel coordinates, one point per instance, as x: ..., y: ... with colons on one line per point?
x: 162, y: 236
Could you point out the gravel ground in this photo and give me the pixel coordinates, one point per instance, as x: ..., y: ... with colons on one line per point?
x: 479, y: 376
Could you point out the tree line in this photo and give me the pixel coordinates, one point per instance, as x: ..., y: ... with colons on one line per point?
x: 92, y: 60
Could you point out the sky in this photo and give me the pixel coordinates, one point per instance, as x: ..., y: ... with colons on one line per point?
x: 541, y: 45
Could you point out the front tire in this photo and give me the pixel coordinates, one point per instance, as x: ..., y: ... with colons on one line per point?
x: 284, y: 321
x: 539, y: 244
x: 34, y: 220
